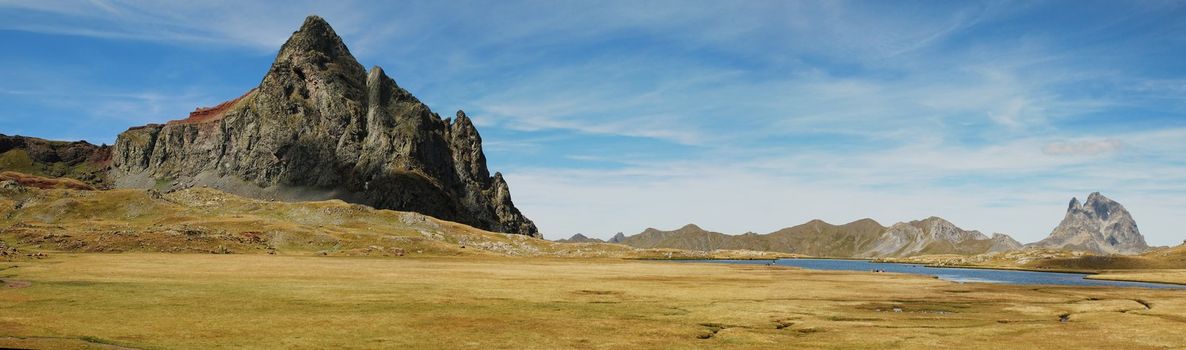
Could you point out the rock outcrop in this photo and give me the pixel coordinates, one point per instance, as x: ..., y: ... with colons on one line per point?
x: 1098, y: 225
x: 859, y: 239
x: 320, y: 126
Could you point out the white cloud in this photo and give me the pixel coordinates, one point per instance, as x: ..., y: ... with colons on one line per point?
x: 1083, y: 148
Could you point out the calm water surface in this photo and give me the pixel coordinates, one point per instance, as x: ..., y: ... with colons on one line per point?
x: 952, y: 274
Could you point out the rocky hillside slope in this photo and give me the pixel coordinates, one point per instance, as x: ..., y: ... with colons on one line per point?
x: 320, y: 126
x: 862, y: 239
x: 78, y: 160
x: 1098, y: 225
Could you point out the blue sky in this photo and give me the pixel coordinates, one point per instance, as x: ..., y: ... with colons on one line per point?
x: 614, y: 116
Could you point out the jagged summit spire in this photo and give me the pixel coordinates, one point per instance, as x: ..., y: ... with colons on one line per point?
x: 315, y: 22
x: 315, y: 38
x: 462, y: 121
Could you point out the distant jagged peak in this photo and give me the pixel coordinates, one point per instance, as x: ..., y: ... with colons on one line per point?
x: 1102, y: 207
x: 1099, y: 225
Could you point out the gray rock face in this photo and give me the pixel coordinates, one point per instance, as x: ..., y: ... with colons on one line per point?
x: 618, y: 238
x: 320, y: 126
x: 936, y: 236
x: 1098, y: 225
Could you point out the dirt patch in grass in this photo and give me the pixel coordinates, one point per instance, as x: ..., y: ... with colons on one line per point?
x: 16, y: 283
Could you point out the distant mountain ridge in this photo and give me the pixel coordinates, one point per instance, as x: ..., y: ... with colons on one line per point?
x: 580, y: 238
x: 1098, y: 225
x: 863, y: 238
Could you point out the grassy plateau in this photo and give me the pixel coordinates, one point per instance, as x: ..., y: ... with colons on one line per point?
x: 167, y: 301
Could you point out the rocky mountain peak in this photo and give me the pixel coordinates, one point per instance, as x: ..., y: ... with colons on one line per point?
x: 320, y: 126
x: 1101, y: 207
x: 315, y: 37
x: 1098, y: 225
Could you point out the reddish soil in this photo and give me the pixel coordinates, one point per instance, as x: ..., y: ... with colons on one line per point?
x: 205, y: 114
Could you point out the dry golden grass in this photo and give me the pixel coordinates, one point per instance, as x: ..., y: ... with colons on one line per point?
x: 193, y: 301
x: 1162, y: 265
x: 1176, y: 276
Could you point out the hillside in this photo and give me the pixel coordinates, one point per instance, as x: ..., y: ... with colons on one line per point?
x: 77, y: 160
x: 1062, y: 260
x: 579, y: 238
x: 692, y: 237
x: 203, y: 220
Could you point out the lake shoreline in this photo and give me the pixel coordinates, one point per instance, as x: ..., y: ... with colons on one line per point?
x: 986, y: 274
